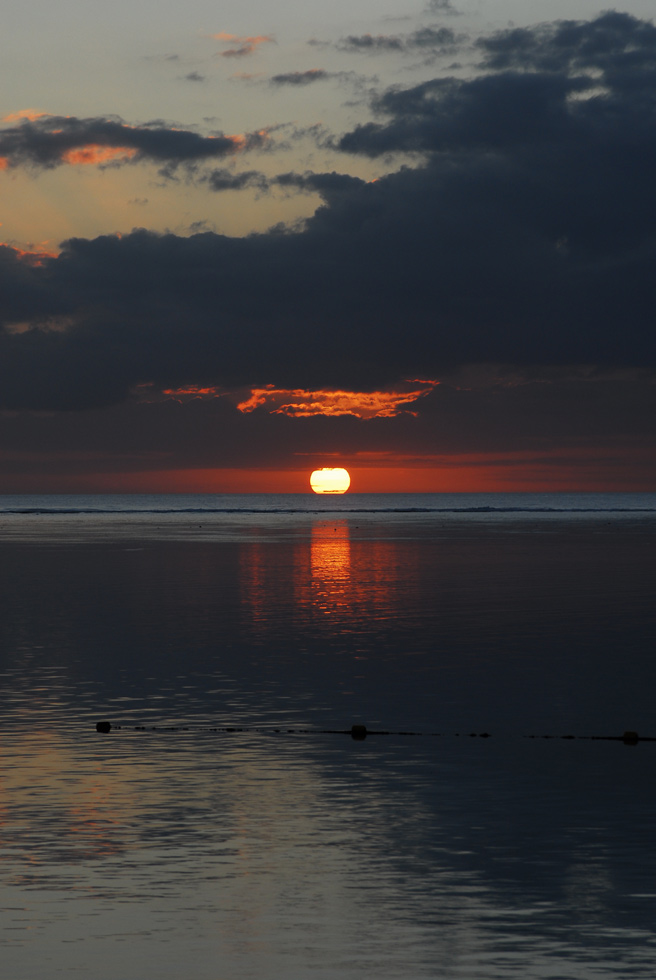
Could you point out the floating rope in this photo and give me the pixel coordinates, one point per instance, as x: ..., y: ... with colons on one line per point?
x: 360, y: 732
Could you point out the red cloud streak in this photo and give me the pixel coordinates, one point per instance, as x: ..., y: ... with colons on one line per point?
x: 302, y: 403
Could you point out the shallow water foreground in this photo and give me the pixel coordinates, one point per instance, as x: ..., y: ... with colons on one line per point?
x: 265, y: 854
x: 215, y: 856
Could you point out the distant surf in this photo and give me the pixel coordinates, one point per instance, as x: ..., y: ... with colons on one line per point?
x: 97, y: 505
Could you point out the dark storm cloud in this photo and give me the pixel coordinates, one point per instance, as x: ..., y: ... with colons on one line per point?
x: 427, y: 38
x: 49, y: 141
x: 560, y: 85
x: 488, y: 113
x: 525, y: 234
x: 619, y: 45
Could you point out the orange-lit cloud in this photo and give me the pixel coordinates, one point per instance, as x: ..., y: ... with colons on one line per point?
x: 47, y: 141
x: 53, y: 324
x: 247, y: 141
x: 32, y: 257
x: 192, y: 391
x: 95, y: 154
x: 29, y: 114
x: 300, y: 402
x: 242, y: 45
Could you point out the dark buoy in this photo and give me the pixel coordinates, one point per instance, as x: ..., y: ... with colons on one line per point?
x: 630, y: 738
x: 103, y: 726
x: 359, y: 732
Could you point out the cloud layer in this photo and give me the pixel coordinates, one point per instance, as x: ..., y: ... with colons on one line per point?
x: 46, y: 142
x: 426, y: 39
x: 523, y: 232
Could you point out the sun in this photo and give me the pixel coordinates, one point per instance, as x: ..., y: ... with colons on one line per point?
x: 330, y: 479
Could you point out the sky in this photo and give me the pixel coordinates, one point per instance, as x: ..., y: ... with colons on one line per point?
x: 246, y: 240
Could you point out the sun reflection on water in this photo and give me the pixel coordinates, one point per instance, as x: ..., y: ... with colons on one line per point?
x: 330, y: 555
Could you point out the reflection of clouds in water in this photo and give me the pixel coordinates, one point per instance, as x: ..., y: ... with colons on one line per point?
x: 63, y: 811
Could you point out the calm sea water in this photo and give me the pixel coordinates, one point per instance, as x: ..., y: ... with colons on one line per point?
x: 173, y: 847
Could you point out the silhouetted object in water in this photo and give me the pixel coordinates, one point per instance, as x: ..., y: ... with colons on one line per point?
x: 360, y: 732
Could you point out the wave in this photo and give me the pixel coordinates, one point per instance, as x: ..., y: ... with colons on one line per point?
x: 161, y: 511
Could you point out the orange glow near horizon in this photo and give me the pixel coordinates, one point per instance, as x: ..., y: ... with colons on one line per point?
x: 95, y: 154
x: 628, y: 469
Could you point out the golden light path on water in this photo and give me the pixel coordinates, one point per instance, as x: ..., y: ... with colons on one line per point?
x: 330, y: 479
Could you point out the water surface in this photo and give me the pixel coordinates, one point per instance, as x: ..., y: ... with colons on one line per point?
x: 265, y: 853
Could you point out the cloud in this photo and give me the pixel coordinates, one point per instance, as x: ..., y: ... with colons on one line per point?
x: 432, y: 39
x: 50, y: 141
x: 369, y: 42
x: 195, y: 76
x: 30, y: 114
x: 327, y: 185
x: 302, y: 77
x: 523, y: 234
x: 594, y: 428
x: 242, y: 45
x: 246, y: 76
x: 92, y: 153
x: 561, y: 87
x: 485, y: 113
x: 620, y: 46
x: 439, y: 38
x: 442, y: 7
x: 303, y: 403
x: 222, y: 179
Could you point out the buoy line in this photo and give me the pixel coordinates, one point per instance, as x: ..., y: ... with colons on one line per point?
x: 360, y: 732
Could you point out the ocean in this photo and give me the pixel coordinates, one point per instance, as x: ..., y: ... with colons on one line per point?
x: 488, y: 821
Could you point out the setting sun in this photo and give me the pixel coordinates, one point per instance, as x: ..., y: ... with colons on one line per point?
x: 330, y: 480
